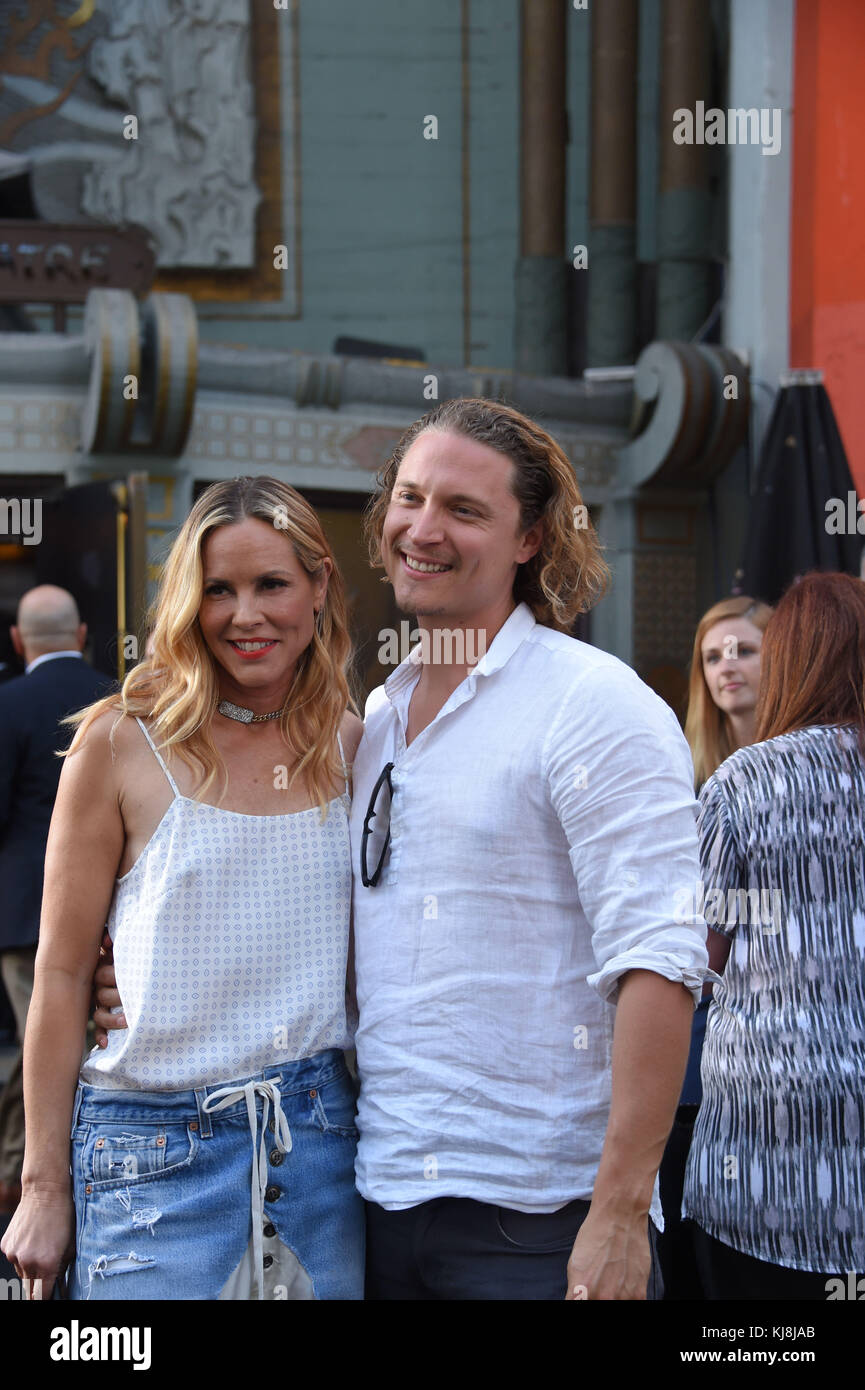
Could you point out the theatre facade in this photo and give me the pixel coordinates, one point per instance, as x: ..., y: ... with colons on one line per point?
x: 114, y: 444
x: 264, y: 239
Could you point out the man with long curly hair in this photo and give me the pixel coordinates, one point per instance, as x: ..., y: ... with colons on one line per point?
x: 519, y: 828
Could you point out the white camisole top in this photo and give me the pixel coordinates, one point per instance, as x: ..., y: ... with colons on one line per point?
x: 230, y: 937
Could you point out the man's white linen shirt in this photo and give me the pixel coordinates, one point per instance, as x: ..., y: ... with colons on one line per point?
x: 540, y: 827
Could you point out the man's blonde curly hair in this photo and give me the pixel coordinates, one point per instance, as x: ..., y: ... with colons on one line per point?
x: 568, y: 575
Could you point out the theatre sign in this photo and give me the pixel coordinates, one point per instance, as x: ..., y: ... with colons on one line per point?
x: 54, y: 263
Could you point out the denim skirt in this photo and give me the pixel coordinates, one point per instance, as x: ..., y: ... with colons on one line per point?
x: 243, y: 1189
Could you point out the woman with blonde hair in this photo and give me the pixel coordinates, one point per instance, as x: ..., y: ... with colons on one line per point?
x: 724, y: 682
x: 202, y: 811
x: 722, y: 703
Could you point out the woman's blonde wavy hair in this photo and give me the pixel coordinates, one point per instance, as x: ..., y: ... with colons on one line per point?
x: 707, y: 728
x: 175, y: 685
x: 567, y: 575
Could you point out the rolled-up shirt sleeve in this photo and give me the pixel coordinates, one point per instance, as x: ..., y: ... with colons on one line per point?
x: 620, y: 779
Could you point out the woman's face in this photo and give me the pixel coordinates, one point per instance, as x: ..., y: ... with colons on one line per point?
x: 730, y: 652
x: 258, y: 607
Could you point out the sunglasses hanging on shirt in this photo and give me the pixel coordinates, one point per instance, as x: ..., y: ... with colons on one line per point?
x: 375, y: 840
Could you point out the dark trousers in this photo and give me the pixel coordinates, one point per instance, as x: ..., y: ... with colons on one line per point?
x: 17, y: 965
x: 726, y: 1273
x: 453, y: 1248
x: 676, y: 1243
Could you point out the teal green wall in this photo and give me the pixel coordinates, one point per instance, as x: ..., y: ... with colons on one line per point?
x: 495, y: 182
x: 381, y: 207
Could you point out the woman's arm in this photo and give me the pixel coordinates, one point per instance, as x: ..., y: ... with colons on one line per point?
x: 351, y: 730
x: 718, y: 947
x: 85, y: 844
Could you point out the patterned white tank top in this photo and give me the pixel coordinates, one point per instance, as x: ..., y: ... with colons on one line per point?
x: 230, y: 937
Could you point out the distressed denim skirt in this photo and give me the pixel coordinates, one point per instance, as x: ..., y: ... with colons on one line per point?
x: 239, y: 1190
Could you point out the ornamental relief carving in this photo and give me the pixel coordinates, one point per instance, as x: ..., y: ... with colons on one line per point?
x: 184, y: 168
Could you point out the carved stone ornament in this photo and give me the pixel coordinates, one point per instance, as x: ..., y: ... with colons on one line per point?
x: 138, y: 111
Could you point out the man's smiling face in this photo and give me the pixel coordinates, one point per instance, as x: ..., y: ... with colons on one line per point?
x: 451, y: 540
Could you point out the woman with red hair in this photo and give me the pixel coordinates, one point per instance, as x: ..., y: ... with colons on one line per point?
x: 775, y: 1180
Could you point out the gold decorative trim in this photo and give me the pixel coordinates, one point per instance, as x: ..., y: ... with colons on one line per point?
x: 162, y: 348
x: 82, y: 14
x: 131, y: 402
x: 104, y: 351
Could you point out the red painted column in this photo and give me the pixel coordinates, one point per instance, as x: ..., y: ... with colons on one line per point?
x: 827, y: 291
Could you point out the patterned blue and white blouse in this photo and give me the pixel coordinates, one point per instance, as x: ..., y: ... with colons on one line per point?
x: 777, y: 1164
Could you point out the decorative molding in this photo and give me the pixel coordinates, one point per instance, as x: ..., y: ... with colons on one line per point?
x: 166, y: 510
x: 188, y: 174
x: 143, y: 372
x: 214, y: 153
x: 39, y: 426
x: 274, y: 40
x: 258, y: 438
x: 687, y: 429
x: 112, y: 342
x: 594, y: 463
x: 170, y: 336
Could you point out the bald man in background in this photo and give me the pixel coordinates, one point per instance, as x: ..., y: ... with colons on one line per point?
x: 49, y: 636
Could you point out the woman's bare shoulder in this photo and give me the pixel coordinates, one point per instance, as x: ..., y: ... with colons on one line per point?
x: 91, y: 768
x: 108, y: 729
x: 351, y: 730
x: 98, y: 735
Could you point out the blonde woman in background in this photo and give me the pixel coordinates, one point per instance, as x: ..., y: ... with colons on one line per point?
x: 724, y: 682
x: 203, y: 811
x: 722, y: 703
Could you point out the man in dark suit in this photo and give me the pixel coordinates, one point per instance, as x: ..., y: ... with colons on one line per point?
x: 48, y: 636
x: 10, y: 666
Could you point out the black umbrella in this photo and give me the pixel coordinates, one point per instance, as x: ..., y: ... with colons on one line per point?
x: 803, y: 515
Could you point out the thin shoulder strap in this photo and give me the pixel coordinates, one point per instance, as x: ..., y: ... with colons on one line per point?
x: 344, y: 764
x: 159, y: 758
